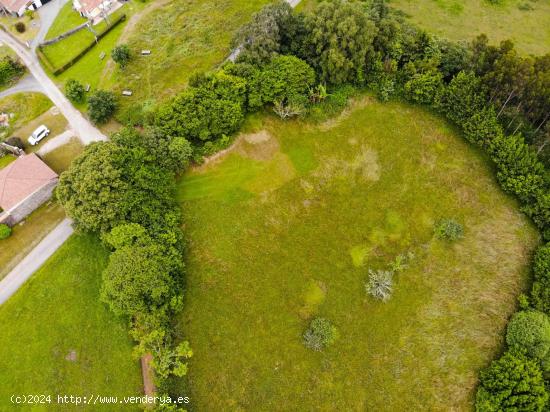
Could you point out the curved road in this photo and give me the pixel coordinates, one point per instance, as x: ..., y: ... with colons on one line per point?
x: 81, y: 126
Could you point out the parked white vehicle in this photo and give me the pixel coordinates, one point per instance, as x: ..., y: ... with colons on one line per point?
x: 38, y: 135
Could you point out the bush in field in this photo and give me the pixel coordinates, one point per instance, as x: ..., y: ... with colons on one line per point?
x: 121, y: 54
x: 5, y: 231
x: 101, y: 106
x: 511, y: 383
x: 20, y: 27
x: 10, y: 69
x: 320, y: 334
x: 540, y: 294
x: 75, y: 91
x: 380, y: 284
x: 449, y: 229
x: 529, y: 331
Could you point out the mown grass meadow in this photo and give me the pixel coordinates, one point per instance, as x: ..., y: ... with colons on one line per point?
x: 284, y: 228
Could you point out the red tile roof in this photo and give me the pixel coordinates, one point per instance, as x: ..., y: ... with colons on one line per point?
x: 90, y: 5
x: 14, y: 5
x: 21, y: 178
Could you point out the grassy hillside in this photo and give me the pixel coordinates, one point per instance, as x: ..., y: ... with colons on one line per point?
x: 526, y: 22
x: 184, y: 36
x: 57, y: 338
x: 284, y: 229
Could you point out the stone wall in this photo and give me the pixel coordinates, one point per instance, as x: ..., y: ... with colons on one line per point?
x: 27, y: 206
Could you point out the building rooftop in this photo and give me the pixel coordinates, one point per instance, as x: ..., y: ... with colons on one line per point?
x: 22, y: 178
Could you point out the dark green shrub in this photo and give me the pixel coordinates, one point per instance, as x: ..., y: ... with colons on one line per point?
x: 75, y: 91
x: 15, y: 142
x: 20, y: 27
x: 101, y: 106
x: 482, y: 128
x: 529, y: 332
x: 320, y: 334
x: 449, y: 229
x: 424, y: 88
x: 462, y: 98
x: 5, y: 231
x: 512, y: 383
x: 10, y: 69
x: 540, y: 293
x: 121, y: 54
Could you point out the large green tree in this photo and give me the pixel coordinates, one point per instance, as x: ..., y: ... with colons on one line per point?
x: 340, y: 34
x: 110, y: 184
x: 511, y: 383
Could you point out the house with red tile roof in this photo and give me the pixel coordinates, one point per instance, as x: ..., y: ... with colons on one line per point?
x: 92, y: 8
x: 25, y: 184
x: 17, y: 8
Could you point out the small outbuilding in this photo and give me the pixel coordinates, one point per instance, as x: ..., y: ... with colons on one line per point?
x: 25, y: 184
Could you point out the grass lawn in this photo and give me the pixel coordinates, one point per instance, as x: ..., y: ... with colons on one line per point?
x: 184, y: 36
x: 6, y: 160
x: 28, y: 234
x: 23, y: 107
x: 32, y: 26
x: 66, y: 20
x: 57, y: 338
x: 63, y: 51
x: 284, y: 229
x: 60, y: 159
x: 465, y: 19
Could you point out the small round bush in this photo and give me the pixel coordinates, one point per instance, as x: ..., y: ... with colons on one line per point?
x: 15, y: 142
x: 529, y: 331
x: 75, y: 91
x: 320, y: 334
x: 380, y: 284
x: 20, y: 27
x: 121, y: 54
x: 5, y: 231
x: 449, y: 229
x: 101, y: 106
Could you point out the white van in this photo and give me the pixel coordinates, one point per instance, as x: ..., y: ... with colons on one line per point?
x: 38, y: 135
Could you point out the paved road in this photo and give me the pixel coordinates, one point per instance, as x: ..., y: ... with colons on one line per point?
x: 32, y: 262
x: 55, y: 142
x: 82, y: 127
x: 26, y: 84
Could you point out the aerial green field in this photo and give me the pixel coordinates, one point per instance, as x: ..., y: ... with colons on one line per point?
x: 57, y: 338
x: 526, y: 22
x: 284, y: 227
x: 184, y: 36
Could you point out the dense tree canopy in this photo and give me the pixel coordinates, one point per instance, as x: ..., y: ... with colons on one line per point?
x: 511, y: 383
x: 340, y: 35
